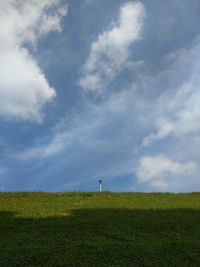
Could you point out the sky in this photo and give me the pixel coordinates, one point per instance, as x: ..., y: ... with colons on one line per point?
x: 93, y: 89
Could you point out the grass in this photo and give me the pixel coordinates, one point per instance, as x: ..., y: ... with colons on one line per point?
x: 99, y: 229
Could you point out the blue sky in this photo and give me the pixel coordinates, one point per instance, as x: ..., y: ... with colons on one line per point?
x: 95, y: 89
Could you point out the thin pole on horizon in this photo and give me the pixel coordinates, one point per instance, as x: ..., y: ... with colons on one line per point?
x: 100, y: 185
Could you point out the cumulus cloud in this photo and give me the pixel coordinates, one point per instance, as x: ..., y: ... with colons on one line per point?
x: 24, y: 90
x: 110, y: 51
x: 157, y: 171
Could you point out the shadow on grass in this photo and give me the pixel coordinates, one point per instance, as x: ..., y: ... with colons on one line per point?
x: 102, y: 237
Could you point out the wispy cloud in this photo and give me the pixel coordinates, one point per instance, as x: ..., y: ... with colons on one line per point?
x: 57, y: 143
x: 178, y: 110
x: 110, y: 51
x: 114, y: 128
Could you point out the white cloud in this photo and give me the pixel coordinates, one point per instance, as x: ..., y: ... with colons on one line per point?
x: 56, y: 145
x: 177, y: 109
x: 24, y: 89
x: 110, y: 51
x: 165, y: 128
x: 83, y: 130
x: 157, y: 171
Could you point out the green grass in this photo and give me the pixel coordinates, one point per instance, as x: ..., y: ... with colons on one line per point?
x: 99, y: 229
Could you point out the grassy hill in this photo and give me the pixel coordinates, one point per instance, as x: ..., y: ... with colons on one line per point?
x: 99, y: 229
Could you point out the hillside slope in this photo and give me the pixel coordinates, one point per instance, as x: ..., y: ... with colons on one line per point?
x: 99, y: 229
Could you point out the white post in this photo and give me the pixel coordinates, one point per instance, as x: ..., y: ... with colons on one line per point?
x: 100, y: 185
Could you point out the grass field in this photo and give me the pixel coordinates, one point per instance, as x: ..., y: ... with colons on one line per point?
x: 99, y: 229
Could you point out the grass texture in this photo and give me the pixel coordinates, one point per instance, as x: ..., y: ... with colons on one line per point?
x: 99, y: 229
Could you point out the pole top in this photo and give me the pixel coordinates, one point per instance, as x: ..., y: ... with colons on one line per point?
x: 100, y: 181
